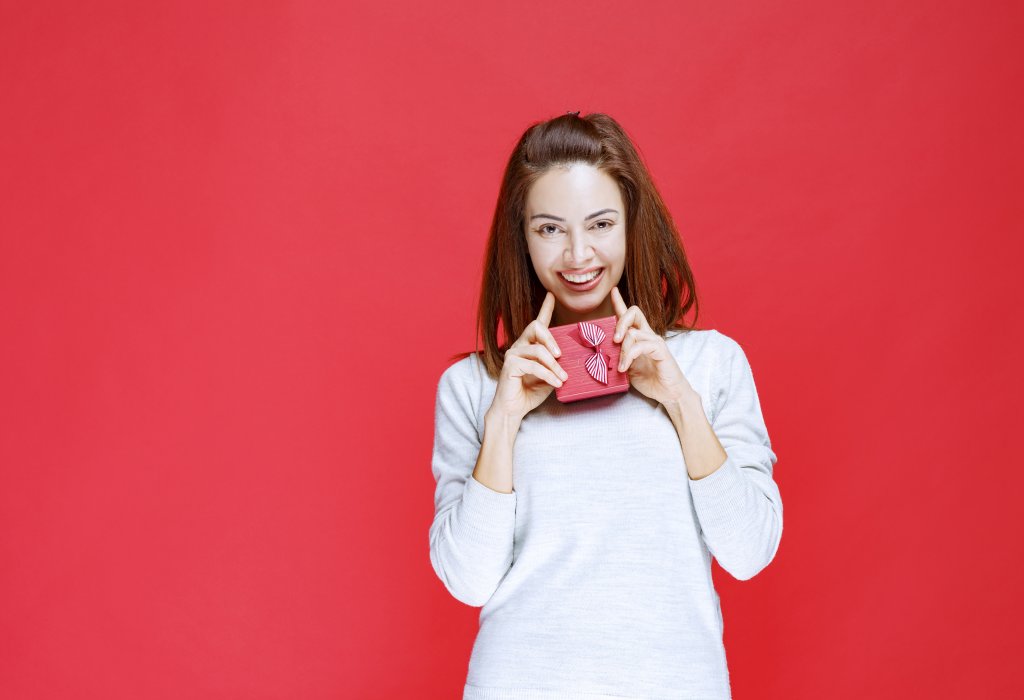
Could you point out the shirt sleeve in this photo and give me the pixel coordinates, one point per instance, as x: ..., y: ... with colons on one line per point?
x: 739, y: 506
x: 472, y: 530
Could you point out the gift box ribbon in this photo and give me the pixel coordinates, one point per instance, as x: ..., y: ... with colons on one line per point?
x: 596, y: 364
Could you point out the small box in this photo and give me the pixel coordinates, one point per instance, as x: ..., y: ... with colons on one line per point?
x: 591, y: 358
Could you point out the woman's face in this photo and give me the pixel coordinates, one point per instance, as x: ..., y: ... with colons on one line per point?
x: 576, y: 225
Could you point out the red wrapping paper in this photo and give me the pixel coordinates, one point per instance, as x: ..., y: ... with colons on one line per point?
x: 575, y: 353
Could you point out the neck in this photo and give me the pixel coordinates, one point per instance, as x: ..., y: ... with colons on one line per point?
x: 563, y: 316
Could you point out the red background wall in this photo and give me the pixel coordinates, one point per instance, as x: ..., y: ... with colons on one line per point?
x: 239, y: 242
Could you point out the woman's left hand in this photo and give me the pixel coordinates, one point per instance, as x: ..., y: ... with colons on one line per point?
x: 645, y: 356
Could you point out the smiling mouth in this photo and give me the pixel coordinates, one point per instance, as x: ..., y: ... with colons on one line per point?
x: 588, y: 281
x: 581, y: 279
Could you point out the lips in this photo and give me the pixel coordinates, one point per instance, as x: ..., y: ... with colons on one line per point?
x: 581, y: 272
x: 583, y: 286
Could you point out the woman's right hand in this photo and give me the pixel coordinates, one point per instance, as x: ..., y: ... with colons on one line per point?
x: 530, y: 372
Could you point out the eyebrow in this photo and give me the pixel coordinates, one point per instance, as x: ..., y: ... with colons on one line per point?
x: 558, y: 218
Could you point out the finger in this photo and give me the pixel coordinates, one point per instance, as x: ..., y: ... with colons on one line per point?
x: 618, y: 302
x: 640, y: 334
x: 541, y: 334
x: 523, y: 366
x: 628, y: 340
x: 644, y: 325
x: 537, y: 331
x: 551, y: 343
x: 546, y: 309
x: 625, y: 321
x: 622, y: 311
x: 543, y: 320
x: 541, y: 354
x: 640, y: 347
x: 651, y: 344
x: 537, y: 334
x: 633, y: 317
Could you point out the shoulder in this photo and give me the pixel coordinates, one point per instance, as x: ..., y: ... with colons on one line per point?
x: 733, y: 372
x: 725, y: 345
x: 730, y: 358
x: 705, y: 346
x: 464, y: 373
x: 462, y: 393
x: 465, y: 379
x: 708, y: 353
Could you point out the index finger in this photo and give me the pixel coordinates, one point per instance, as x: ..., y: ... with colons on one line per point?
x: 618, y: 302
x: 546, y: 309
x: 631, y: 317
x: 542, y: 334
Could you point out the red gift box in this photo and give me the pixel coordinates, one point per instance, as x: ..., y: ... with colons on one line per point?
x: 590, y: 357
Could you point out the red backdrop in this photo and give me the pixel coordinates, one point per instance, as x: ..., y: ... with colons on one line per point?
x: 239, y: 242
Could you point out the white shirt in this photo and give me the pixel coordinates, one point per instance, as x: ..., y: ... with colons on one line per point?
x: 594, y: 574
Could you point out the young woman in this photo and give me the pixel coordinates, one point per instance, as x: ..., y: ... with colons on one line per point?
x: 585, y: 530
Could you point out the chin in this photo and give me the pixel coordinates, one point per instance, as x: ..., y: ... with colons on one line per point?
x: 583, y: 308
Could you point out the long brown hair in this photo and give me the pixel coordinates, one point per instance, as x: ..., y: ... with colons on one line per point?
x: 657, y: 275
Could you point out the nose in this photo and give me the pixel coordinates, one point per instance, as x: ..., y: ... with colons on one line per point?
x: 578, y: 251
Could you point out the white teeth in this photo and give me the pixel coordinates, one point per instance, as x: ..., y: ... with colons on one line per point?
x: 580, y: 278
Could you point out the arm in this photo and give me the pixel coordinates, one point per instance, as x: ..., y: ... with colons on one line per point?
x: 730, y: 465
x: 472, y: 531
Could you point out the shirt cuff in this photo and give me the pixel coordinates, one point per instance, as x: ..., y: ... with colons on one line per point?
x: 486, y: 512
x: 719, y: 495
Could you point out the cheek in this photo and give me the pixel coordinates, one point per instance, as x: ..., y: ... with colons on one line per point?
x: 620, y: 254
x: 615, y: 255
x: 534, y: 255
x: 542, y: 260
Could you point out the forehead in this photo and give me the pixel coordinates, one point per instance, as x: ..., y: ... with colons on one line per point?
x: 573, y: 192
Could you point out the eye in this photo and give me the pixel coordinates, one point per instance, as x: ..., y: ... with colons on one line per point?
x: 610, y: 224
x: 543, y: 230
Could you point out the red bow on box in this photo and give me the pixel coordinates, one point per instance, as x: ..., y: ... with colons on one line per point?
x: 596, y: 364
